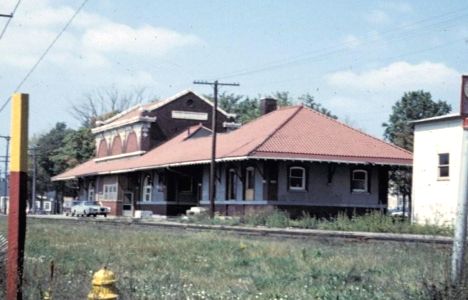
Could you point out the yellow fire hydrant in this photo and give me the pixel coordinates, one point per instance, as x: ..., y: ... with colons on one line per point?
x: 103, y: 286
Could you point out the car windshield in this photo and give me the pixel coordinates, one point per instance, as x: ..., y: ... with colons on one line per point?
x: 90, y: 203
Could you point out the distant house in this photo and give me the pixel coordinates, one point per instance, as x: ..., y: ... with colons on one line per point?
x: 292, y: 158
x: 436, y: 168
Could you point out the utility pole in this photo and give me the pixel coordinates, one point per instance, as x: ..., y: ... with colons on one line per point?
x: 212, y: 185
x: 33, y: 183
x: 18, y: 195
x: 7, y: 138
x: 459, y: 238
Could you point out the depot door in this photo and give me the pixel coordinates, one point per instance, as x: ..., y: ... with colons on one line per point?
x: 127, y: 205
x: 249, y: 184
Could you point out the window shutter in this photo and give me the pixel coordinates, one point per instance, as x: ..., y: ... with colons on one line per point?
x: 306, y: 170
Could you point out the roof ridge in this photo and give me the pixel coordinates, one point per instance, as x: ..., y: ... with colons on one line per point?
x: 120, y: 114
x: 358, y: 130
x: 195, y: 128
x: 298, y: 108
x: 162, y: 102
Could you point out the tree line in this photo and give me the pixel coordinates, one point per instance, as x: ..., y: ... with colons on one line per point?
x: 62, y: 148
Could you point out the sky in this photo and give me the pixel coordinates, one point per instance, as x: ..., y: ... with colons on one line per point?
x: 357, y: 58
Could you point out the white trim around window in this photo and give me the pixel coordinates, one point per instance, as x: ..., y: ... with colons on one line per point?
x: 359, y: 181
x: 146, y: 196
x: 297, y: 178
x: 110, y: 191
x: 444, y: 166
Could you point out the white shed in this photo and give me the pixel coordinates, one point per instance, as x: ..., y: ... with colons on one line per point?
x: 436, y: 168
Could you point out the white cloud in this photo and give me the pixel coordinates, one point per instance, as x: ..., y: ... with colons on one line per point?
x: 397, y: 76
x: 367, y: 96
x: 146, y: 40
x: 92, y: 41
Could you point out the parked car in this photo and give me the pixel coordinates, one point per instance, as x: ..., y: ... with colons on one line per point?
x: 89, y: 208
x: 398, y: 212
x: 67, y: 207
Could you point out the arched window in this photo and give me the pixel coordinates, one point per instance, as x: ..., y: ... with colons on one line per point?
x: 91, y: 191
x: 116, y: 146
x: 132, y: 144
x: 102, y: 150
x: 231, y: 184
x: 147, y: 189
x: 359, y: 181
x: 297, y: 178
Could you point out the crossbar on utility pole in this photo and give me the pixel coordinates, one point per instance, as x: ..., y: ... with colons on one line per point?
x: 212, y: 184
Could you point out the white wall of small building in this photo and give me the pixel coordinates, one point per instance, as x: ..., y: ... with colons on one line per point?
x: 434, y: 198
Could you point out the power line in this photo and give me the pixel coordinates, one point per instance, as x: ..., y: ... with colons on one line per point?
x: 10, y: 17
x: 45, y: 53
x: 388, y: 58
x: 325, y: 52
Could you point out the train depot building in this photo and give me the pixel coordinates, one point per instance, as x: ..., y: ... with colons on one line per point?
x: 156, y: 157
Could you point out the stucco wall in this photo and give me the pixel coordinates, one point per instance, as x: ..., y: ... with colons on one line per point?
x: 435, y: 199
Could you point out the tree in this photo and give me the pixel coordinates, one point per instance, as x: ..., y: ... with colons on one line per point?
x: 247, y: 108
x: 47, y: 146
x: 105, y: 103
x: 412, y: 106
x: 77, y: 147
x: 309, y: 101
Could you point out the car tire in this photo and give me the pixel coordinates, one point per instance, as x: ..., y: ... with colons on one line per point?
x: 94, y: 215
x: 105, y: 215
x: 73, y: 213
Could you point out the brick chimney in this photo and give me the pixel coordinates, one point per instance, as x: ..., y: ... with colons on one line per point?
x: 268, y: 105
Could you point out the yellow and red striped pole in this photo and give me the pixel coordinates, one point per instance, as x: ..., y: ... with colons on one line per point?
x: 18, y: 195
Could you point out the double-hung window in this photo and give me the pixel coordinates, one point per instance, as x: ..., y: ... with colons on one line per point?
x: 359, y: 181
x: 110, y: 191
x: 444, y: 162
x: 147, y: 189
x: 297, y: 178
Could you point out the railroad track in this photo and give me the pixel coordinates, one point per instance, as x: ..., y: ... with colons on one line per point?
x: 286, y: 233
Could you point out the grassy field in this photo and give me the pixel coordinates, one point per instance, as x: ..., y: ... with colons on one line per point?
x: 153, y: 264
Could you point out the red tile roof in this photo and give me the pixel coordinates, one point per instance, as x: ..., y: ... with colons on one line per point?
x: 294, y: 132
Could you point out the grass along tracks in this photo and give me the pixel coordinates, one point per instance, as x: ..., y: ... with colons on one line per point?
x: 158, y: 264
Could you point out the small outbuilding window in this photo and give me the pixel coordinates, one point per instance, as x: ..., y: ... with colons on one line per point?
x: 444, y: 162
x: 147, y: 189
x: 359, y: 181
x: 297, y: 178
